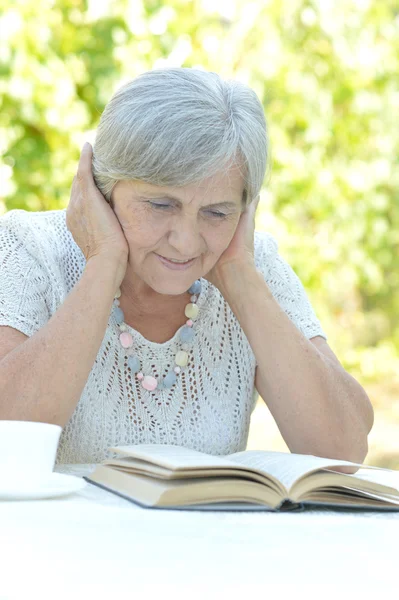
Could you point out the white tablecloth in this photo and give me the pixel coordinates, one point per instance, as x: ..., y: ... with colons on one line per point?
x: 93, y: 544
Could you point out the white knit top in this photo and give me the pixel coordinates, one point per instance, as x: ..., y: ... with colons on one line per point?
x: 210, y: 406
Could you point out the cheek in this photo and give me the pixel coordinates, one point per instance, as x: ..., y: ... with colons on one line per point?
x: 218, y: 238
x: 141, y: 231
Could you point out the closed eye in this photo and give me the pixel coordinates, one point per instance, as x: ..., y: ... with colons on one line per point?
x: 156, y: 205
x: 217, y: 214
x: 213, y: 213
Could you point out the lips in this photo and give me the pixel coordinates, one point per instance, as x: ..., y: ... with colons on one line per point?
x: 175, y: 265
x: 176, y: 260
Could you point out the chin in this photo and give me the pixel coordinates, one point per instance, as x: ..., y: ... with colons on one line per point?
x: 169, y: 288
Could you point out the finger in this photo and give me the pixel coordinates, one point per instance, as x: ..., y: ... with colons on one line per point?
x: 251, y: 208
x: 85, y: 173
x: 74, y: 188
x: 86, y: 156
x: 254, y: 206
x: 255, y: 202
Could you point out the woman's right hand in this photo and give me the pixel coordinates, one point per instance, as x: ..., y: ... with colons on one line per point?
x: 91, y: 220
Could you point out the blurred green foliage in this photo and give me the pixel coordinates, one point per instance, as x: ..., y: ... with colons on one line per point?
x: 327, y: 74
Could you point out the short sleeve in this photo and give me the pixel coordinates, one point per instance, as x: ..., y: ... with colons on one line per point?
x: 24, y: 283
x: 286, y: 286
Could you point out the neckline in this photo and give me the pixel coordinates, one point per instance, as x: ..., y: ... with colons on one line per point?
x: 137, y: 336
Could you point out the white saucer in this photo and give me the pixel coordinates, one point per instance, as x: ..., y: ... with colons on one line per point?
x: 55, y: 484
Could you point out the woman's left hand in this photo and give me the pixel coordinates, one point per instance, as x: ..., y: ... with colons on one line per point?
x: 240, y: 251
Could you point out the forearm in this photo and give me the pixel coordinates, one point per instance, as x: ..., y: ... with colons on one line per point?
x: 319, y: 408
x: 42, y: 379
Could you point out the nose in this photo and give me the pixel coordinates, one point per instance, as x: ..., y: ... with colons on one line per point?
x: 186, y: 238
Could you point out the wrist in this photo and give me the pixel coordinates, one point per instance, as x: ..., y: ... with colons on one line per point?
x: 110, y: 268
x: 238, y: 282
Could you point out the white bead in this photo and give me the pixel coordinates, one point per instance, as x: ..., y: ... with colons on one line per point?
x: 123, y: 327
x: 181, y: 358
x: 191, y: 311
x: 116, y: 302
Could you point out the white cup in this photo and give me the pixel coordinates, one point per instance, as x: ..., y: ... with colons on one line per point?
x: 27, y: 450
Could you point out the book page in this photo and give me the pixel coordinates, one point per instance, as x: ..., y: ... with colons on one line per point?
x: 174, y: 457
x: 285, y: 467
x: 387, y: 478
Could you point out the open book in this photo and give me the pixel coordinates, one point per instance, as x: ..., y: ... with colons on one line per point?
x: 166, y: 476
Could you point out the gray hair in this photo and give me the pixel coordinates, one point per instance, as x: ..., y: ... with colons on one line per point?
x: 178, y: 126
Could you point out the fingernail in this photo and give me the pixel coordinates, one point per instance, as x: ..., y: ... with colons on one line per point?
x: 85, y: 146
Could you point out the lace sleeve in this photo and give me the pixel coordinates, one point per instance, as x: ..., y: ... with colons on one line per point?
x: 24, y: 284
x: 286, y: 286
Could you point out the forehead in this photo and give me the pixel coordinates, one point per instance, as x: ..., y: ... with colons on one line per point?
x: 228, y: 184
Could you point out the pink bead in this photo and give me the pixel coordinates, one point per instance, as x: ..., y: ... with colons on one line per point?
x: 126, y: 339
x: 177, y: 370
x: 140, y: 376
x: 193, y: 299
x: 190, y: 323
x: 149, y: 383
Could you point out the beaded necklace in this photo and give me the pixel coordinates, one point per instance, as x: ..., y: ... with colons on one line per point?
x: 187, y: 333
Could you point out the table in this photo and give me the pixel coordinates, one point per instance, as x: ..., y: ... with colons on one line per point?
x: 94, y: 545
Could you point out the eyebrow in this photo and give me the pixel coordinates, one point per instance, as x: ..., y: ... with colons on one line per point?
x: 225, y: 204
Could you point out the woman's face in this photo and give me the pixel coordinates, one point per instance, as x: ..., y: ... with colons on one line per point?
x: 193, y: 222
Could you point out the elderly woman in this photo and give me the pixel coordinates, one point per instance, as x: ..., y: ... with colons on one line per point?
x: 150, y: 311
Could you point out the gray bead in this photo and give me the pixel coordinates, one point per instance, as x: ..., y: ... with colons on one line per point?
x: 169, y: 379
x: 134, y: 364
x: 195, y: 288
x: 187, y: 334
x: 119, y: 316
